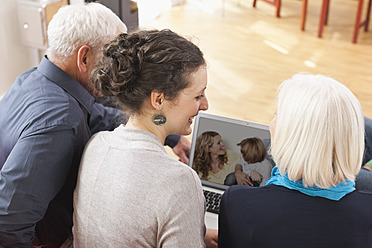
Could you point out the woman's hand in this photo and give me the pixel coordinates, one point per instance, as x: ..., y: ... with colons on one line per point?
x: 241, y: 177
x: 211, y: 238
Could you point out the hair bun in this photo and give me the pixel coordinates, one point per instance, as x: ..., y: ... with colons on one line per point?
x: 135, y: 64
x: 120, y: 66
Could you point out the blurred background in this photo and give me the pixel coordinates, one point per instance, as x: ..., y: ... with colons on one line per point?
x: 248, y: 49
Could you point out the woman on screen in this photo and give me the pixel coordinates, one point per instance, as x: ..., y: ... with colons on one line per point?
x: 130, y: 193
x: 211, y: 161
x: 317, y: 142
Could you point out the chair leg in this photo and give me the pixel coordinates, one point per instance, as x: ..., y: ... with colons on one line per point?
x: 323, y: 14
x: 254, y: 3
x: 357, y: 21
x: 303, y: 15
x: 368, y: 16
x: 326, y: 18
x: 277, y: 6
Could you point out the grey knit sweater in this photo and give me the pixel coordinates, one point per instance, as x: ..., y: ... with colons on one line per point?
x: 131, y: 193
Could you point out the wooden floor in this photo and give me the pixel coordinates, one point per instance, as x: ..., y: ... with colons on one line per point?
x: 249, y: 51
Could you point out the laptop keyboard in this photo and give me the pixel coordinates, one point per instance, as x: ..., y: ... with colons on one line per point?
x: 212, y: 200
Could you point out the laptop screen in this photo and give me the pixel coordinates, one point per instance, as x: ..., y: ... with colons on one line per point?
x: 220, y: 143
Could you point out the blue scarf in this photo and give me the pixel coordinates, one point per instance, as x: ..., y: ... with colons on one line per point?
x: 335, y: 193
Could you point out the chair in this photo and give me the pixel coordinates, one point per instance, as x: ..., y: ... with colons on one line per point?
x: 276, y: 3
x: 358, y: 22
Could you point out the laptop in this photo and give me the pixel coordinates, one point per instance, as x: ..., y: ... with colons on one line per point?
x: 232, y: 131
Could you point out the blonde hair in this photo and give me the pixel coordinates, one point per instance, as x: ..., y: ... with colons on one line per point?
x: 319, y: 133
x: 202, y: 159
x: 253, y: 150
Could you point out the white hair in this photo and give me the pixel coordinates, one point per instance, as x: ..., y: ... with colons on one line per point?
x: 319, y: 132
x: 73, y: 26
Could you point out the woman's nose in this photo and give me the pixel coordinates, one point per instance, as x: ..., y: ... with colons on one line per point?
x: 204, y: 103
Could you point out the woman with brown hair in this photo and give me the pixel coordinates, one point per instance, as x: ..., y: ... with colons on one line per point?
x: 130, y: 192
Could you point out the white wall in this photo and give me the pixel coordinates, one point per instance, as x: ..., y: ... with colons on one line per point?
x: 15, y: 58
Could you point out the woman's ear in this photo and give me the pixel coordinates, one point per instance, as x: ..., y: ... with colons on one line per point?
x: 157, y: 99
x: 83, y: 57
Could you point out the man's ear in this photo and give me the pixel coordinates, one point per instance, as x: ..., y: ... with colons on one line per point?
x: 157, y: 99
x: 83, y: 56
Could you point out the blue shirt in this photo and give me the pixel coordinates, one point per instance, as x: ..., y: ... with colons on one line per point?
x: 46, y: 118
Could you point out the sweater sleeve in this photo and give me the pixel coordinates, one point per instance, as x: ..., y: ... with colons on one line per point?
x: 185, y: 225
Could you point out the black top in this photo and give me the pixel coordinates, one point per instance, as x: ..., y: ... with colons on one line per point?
x: 274, y: 216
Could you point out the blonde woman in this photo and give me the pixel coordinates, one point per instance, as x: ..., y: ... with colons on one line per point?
x: 317, y: 142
